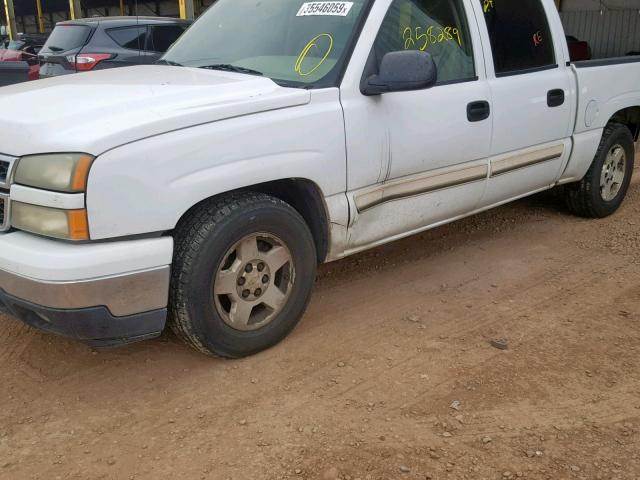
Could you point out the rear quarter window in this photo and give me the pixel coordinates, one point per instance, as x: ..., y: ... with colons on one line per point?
x: 67, y: 37
x: 132, y: 38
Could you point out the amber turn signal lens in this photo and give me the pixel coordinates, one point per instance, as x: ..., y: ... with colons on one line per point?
x: 81, y: 173
x: 78, y: 225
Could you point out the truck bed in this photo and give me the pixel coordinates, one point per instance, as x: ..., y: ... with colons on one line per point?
x: 605, y: 86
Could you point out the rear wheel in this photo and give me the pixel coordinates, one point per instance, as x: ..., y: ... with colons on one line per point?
x: 602, y: 190
x: 243, y: 272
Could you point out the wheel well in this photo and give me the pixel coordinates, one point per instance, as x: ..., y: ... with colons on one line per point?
x: 305, y: 197
x: 629, y: 117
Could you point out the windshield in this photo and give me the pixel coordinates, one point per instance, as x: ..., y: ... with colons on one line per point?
x: 293, y: 42
x: 67, y: 37
x: 15, y: 45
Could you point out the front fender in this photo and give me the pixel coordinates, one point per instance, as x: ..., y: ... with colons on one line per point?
x: 148, y: 185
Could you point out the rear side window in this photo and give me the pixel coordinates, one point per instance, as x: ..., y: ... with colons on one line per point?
x: 131, y: 38
x: 519, y: 34
x: 67, y: 37
x: 162, y: 36
x: 438, y: 27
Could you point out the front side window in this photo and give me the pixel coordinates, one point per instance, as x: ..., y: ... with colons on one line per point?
x: 519, y: 34
x: 294, y: 42
x: 438, y: 27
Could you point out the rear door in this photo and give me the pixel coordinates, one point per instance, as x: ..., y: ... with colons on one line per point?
x: 65, y: 42
x: 532, y: 96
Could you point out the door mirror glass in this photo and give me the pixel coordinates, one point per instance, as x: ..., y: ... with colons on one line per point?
x: 402, y: 71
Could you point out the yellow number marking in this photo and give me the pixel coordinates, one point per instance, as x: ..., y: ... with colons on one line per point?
x: 430, y: 36
x: 487, y: 5
x: 305, y: 51
x: 407, y: 36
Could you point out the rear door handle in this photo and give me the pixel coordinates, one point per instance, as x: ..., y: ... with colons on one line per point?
x: 478, y: 111
x: 555, y: 98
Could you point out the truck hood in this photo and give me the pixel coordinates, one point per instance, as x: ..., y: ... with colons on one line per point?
x: 96, y: 111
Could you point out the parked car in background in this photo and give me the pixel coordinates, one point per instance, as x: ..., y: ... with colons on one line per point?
x: 578, y: 49
x: 33, y: 67
x: 13, y: 72
x: 109, y: 42
x: 28, y: 43
x: 25, y: 48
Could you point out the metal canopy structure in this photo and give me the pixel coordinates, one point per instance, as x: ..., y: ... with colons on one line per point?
x: 188, y: 9
x: 10, y: 16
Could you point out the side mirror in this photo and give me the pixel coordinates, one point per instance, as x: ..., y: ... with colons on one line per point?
x: 30, y: 58
x: 402, y: 71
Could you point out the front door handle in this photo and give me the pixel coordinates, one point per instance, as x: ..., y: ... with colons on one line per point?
x: 555, y: 98
x: 478, y: 111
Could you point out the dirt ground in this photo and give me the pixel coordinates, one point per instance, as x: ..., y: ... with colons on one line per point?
x: 390, y: 375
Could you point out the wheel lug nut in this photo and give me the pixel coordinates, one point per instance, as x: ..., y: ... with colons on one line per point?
x: 260, y: 266
x: 265, y: 279
x: 245, y: 293
x: 258, y: 292
x: 241, y: 281
x: 248, y: 268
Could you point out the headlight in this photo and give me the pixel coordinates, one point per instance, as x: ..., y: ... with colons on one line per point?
x: 62, y: 172
x: 51, y: 222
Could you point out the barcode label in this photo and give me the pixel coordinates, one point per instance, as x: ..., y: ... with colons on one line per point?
x: 340, y: 9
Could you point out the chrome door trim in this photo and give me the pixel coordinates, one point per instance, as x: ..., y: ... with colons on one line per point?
x: 509, y: 162
x: 421, y: 183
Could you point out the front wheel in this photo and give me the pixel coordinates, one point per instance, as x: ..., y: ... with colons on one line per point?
x: 242, y: 277
x: 602, y: 190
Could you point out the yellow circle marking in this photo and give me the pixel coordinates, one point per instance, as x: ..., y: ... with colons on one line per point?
x: 305, y: 51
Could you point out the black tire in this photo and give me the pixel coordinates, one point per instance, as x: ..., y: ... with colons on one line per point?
x: 584, y: 197
x: 202, y: 241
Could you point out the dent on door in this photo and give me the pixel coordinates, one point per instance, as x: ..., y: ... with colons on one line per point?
x: 414, y: 203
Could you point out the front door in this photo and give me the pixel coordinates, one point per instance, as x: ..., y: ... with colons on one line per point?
x: 418, y: 158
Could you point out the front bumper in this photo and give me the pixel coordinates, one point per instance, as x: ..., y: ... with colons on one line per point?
x: 93, y: 325
x: 103, y: 294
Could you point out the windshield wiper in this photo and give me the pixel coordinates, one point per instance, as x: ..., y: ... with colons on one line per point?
x: 170, y: 62
x: 55, y: 49
x: 227, y: 67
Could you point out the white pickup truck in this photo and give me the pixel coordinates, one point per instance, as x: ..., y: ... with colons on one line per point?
x: 275, y: 135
